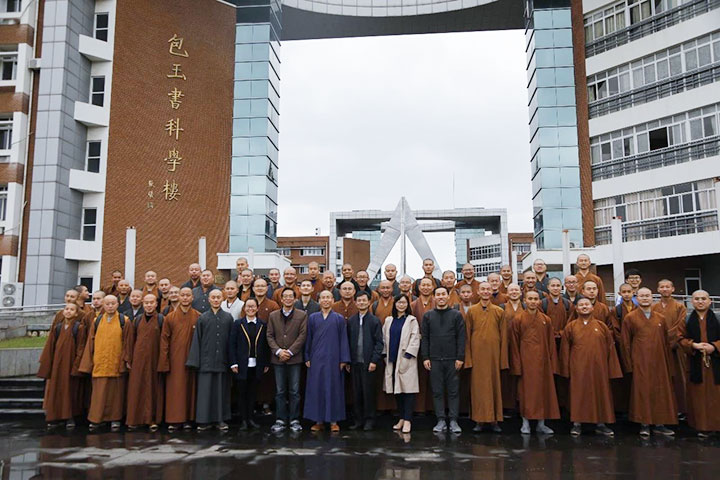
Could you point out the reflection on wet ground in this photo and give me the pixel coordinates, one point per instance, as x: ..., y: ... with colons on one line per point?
x: 27, y: 451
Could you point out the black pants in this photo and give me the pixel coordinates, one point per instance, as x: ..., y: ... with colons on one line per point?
x: 405, y: 404
x: 247, y: 394
x: 444, y: 377
x: 363, y: 383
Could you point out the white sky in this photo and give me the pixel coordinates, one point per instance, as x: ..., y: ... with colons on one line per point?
x: 364, y: 121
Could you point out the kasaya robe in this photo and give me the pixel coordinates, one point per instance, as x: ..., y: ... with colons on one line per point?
x: 486, y: 355
x: 591, y: 277
x: 703, y: 399
x: 588, y: 358
x: 244, y: 294
x: 453, y: 299
x: 646, y: 353
x: 601, y: 312
x: 373, y: 294
x: 346, y: 311
x: 498, y: 298
x: 423, y: 400
x: 180, y: 381
x: 675, y: 314
x: 534, y: 359
x: 277, y: 294
x: 326, y: 347
x: 108, y: 350
x: 145, y: 387
x: 382, y: 310
x: 620, y: 386
x: 474, y: 285
x: 503, y: 286
x: 416, y: 285
x: 154, y: 290
x: 559, y: 316
x: 59, y: 366
x: 209, y: 355
x: 508, y: 382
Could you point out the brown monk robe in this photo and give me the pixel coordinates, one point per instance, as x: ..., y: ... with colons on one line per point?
x: 382, y: 309
x: 486, y: 355
x: 699, y: 337
x: 146, y: 386
x: 362, y: 278
x: 59, y: 363
x: 530, y: 282
x: 424, y: 303
x: 533, y: 358
x: 583, y: 274
x: 675, y: 314
x: 112, y: 287
x: 346, y: 305
x: 244, y: 281
x: 511, y: 311
x: 108, y: 352
x: 496, y: 297
x: 558, y: 308
x: 621, y: 386
x: 448, y: 281
x: 71, y: 296
x: 290, y: 277
x: 177, y: 334
x: 506, y: 278
x: 164, y: 292
x: 151, y: 286
x: 646, y: 343
x: 465, y: 296
x: 468, y: 278
x: 600, y: 309
x: 588, y: 358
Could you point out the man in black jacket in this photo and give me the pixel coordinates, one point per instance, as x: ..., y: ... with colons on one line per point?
x: 443, y: 352
x: 366, y: 346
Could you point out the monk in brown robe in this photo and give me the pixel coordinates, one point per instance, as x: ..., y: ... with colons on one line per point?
x: 245, y: 284
x: 151, y: 286
x: 699, y: 337
x: 621, y: 387
x: 82, y: 302
x: 424, y: 303
x: 534, y: 360
x: 382, y: 309
x: 486, y: 355
x: 448, y: 281
x: 107, y: 356
x: 194, y: 270
x: 265, y: 305
x: 530, y: 282
x: 175, y: 339
x: 571, y: 289
x: 646, y: 341
x: 290, y: 278
x: 600, y: 309
x: 71, y: 296
x: 97, y: 304
x: 164, y: 290
x: 468, y: 278
x: 112, y: 287
x: 59, y: 363
x: 428, y: 267
x: 506, y: 276
x: 274, y: 280
x: 315, y: 278
x: 146, y: 388
x: 512, y: 310
x: 362, y: 278
x: 583, y: 274
x: 465, y: 296
x: 406, y: 287
x: 558, y: 309
x: 173, y: 300
x: 588, y: 358
x: 496, y: 297
x: 346, y: 305
x: 675, y: 313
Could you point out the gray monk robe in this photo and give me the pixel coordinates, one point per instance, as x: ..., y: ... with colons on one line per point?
x: 209, y: 355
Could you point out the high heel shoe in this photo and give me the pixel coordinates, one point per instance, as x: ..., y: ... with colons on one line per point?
x: 398, y: 425
x: 406, y: 427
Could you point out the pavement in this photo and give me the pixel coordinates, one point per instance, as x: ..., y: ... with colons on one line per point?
x: 27, y: 451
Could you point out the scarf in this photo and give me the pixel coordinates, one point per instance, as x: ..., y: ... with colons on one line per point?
x: 713, y: 335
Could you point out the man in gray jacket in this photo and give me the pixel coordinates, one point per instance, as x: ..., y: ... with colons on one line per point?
x: 442, y: 349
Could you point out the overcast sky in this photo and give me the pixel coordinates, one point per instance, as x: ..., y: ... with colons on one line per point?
x: 364, y: 121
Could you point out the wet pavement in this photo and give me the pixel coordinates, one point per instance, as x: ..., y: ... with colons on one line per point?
x: 28, y: 451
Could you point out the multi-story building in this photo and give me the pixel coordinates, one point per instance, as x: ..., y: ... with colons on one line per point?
x: 304, y: 250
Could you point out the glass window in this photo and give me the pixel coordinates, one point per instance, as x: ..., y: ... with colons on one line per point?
x: 8, y: 66
x: 89, y: 224
x: 6, y: 128
x: 97, y: 91
x: 3, y: 202
x: 93, y: 157
x: 102, y: 21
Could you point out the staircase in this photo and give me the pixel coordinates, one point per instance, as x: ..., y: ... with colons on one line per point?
x: 21, y: 396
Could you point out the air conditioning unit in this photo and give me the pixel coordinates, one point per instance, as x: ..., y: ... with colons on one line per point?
x: 12, y: 294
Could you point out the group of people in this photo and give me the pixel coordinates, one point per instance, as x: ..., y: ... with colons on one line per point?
x: 170, y: 354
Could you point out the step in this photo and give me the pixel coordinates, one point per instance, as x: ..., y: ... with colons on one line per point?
x: 20, y: 382
x: 21, y: 403
x: 22, y: 392
x: 21, y: 411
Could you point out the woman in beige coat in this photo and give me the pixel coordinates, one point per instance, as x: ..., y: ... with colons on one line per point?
x: 401, y: 333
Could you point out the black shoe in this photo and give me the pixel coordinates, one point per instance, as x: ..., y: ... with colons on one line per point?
x: 478, y: 428
x: 369, y: 425
x: 243, y: 426
x: 253, y: 424
x: 355, y: 426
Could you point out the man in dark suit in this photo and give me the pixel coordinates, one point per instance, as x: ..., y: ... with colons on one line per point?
x: 366, y: 346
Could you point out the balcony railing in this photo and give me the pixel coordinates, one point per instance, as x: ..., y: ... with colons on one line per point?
x: 650, y: 25
x: 683, y: 224
x: 670, y: 86
x: 663, y: 157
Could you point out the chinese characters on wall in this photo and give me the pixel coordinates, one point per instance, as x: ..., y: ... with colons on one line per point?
x: 170, y: 189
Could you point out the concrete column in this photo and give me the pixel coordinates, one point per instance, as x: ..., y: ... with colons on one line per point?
x: 566, y: 253
x: 130, y: 246
x: 202, y: 252
x: 513, y: 266
x: 617, y: 252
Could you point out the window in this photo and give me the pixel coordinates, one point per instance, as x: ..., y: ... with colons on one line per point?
x: 13, y: 5
x: 93, y: 157
x: 89, y: 224
x: 521, y: 247
x: 8, y: 65
x: 87, y: 282
x: 485, y: 269
x: 312, y: 252
x: 485, y: 251
x: 693, y: 280
x: 97, y: 91
x: 285, y: 252
x: 3, y: 201
x: 101, y: 26
x: 5, y: 133
x: 301, y: 269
